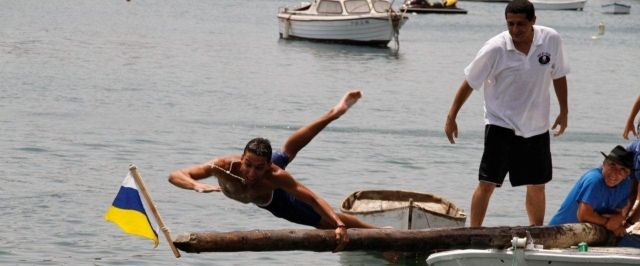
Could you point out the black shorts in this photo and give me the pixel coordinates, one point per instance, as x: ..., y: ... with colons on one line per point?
x: 286, y: 206
x: 527, y: 160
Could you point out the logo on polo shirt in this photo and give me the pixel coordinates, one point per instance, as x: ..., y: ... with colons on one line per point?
x: 544, y: 58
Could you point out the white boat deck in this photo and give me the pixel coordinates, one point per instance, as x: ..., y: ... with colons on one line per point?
x: 602, y: 256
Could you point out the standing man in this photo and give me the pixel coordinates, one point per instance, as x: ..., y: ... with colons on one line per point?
x: 516, y: 69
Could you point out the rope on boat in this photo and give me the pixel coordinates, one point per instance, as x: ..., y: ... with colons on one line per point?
x: 287, y: 27
x: 410, y: 220
x: 395, y: 20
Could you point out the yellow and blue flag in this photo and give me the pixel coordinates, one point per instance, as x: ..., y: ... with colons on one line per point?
x: 128, y: 212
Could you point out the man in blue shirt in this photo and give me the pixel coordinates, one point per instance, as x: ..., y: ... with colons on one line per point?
x: 601, y: 196
x: 633, y: 240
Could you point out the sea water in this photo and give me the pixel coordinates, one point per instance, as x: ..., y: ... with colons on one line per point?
x: 87, y: 87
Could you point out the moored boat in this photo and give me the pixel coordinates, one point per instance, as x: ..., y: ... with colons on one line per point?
x: 559, y: 4
x: 367, y: 22
x: 424, y: 6
x: 403, y: 209
x: 537, y: 257
x: 616, y: 8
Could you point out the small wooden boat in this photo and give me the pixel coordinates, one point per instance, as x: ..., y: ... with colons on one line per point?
x: 424, y: 7
x: 403, y: 209
x: 559, y: 4
x: 616, y: 8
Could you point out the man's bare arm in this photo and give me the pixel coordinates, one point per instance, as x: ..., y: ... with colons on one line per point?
x: 560, y: 87
x: 187, y: 177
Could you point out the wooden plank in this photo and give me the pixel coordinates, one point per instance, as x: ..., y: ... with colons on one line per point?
x: 428, y: 240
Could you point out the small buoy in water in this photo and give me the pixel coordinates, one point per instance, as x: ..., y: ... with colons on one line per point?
x: 600, y: 31
x: 601, y: 28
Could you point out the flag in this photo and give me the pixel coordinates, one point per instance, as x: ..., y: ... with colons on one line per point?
x: 128, y: 212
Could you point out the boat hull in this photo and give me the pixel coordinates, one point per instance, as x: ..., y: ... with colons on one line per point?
x: 374, y: 31
x: 561, y: 257
x: 616, y: 8
x: 559, y: 5
x: 403, y: 209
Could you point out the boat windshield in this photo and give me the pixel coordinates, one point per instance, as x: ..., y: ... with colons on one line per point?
x: 357, y: 6
x: 381, y: 6
x: 329, y: 7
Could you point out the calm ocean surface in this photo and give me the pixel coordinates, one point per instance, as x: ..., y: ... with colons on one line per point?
x: 87, y: 87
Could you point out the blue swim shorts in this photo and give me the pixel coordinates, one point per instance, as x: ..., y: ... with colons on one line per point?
x: 286, y: 206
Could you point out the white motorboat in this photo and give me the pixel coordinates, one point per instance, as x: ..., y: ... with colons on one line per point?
x: 559, y: 4
x: 616, y: 8
x: 403, y: 209
x: 367, y: 22
x: 537, y: 257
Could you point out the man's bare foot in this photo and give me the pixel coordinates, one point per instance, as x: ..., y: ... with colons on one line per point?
x: 346, y: 102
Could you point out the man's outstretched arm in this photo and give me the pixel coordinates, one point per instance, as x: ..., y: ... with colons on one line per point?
x: 187, y: 177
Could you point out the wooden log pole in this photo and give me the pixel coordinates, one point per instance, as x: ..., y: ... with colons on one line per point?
x: 429, y: 240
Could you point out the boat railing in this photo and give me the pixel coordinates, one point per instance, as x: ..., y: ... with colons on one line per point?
x: 302, y: 6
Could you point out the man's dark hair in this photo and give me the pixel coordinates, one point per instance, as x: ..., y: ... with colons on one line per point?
x: 521, y: 7
x: 260, y: 147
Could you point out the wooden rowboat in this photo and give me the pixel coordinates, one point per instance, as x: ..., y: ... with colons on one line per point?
x: 403, y: 209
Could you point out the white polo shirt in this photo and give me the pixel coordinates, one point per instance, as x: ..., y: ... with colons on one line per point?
x: 516, y: 86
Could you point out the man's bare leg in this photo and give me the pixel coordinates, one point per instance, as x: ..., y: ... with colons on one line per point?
x: 535, y: 203
x: 480, y: 202
x: 304, y: 135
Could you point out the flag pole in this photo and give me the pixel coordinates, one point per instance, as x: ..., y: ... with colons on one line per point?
x: 136, y: 176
